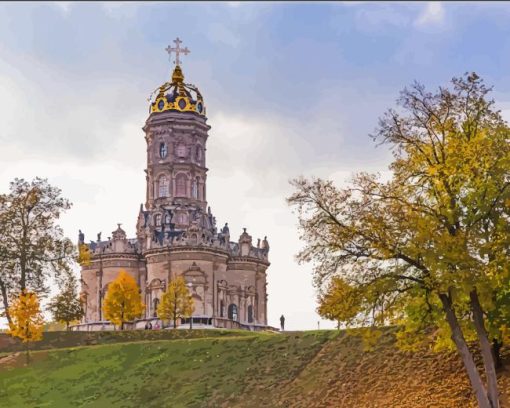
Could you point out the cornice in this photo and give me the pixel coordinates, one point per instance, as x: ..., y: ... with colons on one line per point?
x: 183, y: 249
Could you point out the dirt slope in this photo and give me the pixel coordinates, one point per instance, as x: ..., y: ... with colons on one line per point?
x: 342, y: 375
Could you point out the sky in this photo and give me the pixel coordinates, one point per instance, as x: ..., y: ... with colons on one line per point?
x: 291, y: 89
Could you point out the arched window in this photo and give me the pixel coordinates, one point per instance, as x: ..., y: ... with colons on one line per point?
x: 157, y: 220
x: 155, y: 310
x: 194, y: 188
x: 163, y: 186
x: 167, y: 219
x: 163, y: 150
x: 232, y: 312
x: 250, y: 314
x: 180, y: 185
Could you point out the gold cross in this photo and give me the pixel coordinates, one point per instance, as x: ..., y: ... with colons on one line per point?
x: 177, y: 49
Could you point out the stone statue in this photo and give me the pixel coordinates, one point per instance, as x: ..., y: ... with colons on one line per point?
x: 265, y: 246
x: 81, y: 237
x: 99, y: 237
x: 169, y: 216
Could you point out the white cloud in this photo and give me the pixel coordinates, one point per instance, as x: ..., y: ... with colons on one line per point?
x: 81, y: 128
x: 432, y: 14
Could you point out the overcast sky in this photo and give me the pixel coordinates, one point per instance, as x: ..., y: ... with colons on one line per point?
x: 291, y: 89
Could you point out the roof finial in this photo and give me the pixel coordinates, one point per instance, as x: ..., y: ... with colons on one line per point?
x: 177, y: 49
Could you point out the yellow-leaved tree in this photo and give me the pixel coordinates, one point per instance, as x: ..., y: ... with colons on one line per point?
x: 122, y: 302
x: 428, y: 248
x: 176, y: 302
x: 340, y: 302
x: 84, y: 255
x: 26, y: 319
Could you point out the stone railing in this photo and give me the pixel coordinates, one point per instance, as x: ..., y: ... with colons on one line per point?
x: 198, y: 322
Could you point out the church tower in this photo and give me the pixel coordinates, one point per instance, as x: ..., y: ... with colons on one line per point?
x: 176, y: 233
x: 176, y: 173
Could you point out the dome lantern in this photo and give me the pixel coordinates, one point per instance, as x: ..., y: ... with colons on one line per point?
x: 177, y: 95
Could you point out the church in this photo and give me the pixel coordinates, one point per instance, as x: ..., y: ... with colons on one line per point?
x: 176, y: 232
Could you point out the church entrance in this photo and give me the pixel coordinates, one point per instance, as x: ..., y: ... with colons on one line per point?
x: 232, y: 312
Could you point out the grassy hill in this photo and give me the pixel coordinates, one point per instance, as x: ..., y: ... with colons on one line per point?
x: 212, y: 368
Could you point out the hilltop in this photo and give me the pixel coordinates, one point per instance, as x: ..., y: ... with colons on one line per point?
x: 213, y: 368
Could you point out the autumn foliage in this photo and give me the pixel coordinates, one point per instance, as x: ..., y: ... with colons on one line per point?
x: 123, y: 301
x: 428, y: 248
x: 340, y: 302
x: 176, y: 302
x: 84, y: 255
x: 26, y: 319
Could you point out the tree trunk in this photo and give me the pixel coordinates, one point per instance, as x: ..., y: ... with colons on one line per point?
x: 5, y: 301
x: 28, y: 354
x: 485, y: 346
x: 175, y: 313
x: 496, y: 350
x: 465, y: 354
x: 23, y: 252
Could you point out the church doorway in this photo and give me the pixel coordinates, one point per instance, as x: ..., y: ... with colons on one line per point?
x: 232, y: 312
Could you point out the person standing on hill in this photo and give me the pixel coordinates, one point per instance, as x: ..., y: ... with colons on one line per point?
x: 282, y: 322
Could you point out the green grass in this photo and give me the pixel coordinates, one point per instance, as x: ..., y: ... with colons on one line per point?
x: 213, y: 368
x: 198, y: 372
x: 52, y: 340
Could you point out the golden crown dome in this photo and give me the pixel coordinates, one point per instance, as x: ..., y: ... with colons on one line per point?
x: 177, y: 96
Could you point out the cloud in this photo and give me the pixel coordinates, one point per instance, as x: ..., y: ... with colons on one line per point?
x: 46, y: 116
x: 73, y: 102
x: 433, y: 14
